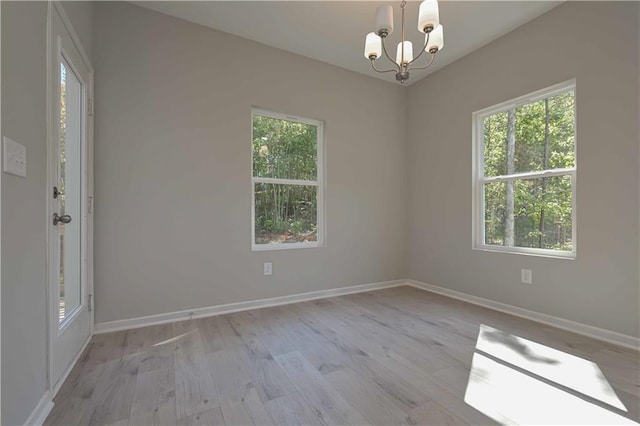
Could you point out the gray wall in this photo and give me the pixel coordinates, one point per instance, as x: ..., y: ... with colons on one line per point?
x: 80, y: 13
x: 172, y: 172
x: 23, y: 211
x: 597, y: 43
x: 23, y: 208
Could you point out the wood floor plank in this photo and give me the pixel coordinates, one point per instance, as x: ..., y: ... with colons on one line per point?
x: 158, y: 335
x: 248, y: 410
x: 77, y: 373
x: 292, y: 410
x: 453, y: 379
x: 375, y: 340
x: 402, y: 392
x: 444, y: 347
x: 433, y: 413
x: 231, y: 376
x: 266, y: 374
x: 366, y: 397
x: 382, y: 335
x: 105, y: 348
x: 158, y: 358
x: 393, y: 356
x: 456, y: 318
x: 212, y: 417
x: 275, y: 332
x: 123, y: 422
x: 430, y: 329
x: 158, y: 349
x: 452, y: 401
x: 413, y: 371
x: 154, y: 400
x: 239, y: 399
x: 329, y: 405
x: 195, y: 390
x: 72, y: 405
x: 320, y: 352
x: 135, y: 340
x: 217, y: 335
x: 113, y: 396
x: 621, y: 367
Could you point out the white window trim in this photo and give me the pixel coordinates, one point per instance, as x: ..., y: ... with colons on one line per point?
x: 479, y: 180
x: 319, y: 183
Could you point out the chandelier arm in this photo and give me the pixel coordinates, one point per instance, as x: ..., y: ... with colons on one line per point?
x: 373, y: 65
x: 424, y: 49
x: 384, y: 49
x: 433, y: 57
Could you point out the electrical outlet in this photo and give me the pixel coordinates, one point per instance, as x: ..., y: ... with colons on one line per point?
x: 268, y: 268
x: 526, y: 276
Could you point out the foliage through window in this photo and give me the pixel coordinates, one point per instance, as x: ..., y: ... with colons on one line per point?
x: 287, y: 181
x: 525, y: 170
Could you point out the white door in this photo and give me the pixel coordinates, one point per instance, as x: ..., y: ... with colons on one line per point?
x: 69, y: 294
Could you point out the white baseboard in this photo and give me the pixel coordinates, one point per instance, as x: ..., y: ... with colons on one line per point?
x: 42, y: 410
x: 107, y: 327
x: 44, y: 407
x: 565, y: 324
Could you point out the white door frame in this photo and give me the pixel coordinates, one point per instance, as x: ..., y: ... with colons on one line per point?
x: 87, y: 192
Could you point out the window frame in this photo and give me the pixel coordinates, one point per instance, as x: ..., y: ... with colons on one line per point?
x: 478, y: 178
x: 319, y: 183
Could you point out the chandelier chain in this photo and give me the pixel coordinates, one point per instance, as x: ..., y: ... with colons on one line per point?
x: 402, y: 63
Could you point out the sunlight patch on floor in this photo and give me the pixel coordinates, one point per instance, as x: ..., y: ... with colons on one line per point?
x: 517, y: 381
x: 174, y: 339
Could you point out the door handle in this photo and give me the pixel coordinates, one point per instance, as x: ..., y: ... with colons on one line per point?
x: 65, y: 218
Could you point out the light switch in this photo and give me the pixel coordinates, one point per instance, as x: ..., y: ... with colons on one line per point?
x: 15, y: 158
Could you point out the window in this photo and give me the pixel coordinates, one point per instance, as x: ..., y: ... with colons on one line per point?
x: 287, y: 170
x: 525, y: 172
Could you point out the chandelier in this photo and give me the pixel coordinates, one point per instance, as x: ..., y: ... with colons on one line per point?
x: 428, y: 23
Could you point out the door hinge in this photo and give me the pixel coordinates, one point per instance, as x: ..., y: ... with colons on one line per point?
x: 90, y: 205
x: 90, y: 107
x: 90, y: 302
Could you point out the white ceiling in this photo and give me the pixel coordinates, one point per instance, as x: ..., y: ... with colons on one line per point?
x: 334, y: 31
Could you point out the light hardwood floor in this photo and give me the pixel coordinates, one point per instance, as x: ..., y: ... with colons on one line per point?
x: 394, y: 356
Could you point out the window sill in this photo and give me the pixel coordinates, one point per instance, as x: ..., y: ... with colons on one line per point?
x: 563, y: 255
x: 291, y: 246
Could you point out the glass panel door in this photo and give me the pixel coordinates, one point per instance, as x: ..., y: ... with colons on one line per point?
x: 69, y: 182
x: 68, y: 190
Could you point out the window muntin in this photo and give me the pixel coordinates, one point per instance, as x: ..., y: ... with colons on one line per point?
x: 525, y: 169
x: 287, y: 189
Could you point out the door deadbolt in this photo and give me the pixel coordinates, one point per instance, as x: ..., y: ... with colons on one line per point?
x: 65, y: 218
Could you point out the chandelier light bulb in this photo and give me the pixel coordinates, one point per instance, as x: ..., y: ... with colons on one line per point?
x: 384, y: 20
x: 408, y: 53
x: 436, y: 40
x: 372, y: 46
x: 428, y: 16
